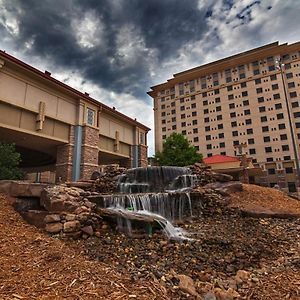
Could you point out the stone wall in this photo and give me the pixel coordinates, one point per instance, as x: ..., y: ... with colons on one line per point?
x: 89, y: 152
x: 64, y: 157
x: 142, y: 156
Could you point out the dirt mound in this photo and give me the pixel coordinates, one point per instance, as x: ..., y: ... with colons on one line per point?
x: 270, y: 201
x: 36, y: 266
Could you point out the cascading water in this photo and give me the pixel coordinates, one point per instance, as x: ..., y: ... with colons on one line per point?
x: 159, y: 192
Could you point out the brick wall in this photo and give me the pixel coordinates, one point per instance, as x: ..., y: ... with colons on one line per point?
x: 142, y: 156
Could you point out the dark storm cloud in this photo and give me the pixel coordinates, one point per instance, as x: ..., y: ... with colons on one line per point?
x: 164, y: 27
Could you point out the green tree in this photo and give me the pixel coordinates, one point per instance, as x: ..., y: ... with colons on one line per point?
x: 9, y: 162
x: 177, y: 151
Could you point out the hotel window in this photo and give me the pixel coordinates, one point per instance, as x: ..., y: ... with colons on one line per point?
x: 204, y: 94
x: 275, y: 86
x: 280, y: 116
x: 217, y: 91
x: 283, y: 137
x: 242, y: 75
x: 259, y: 90
x: 142, y: 138
x: 194, y: 113
x: 235, y: 133
x: 260, y: 99
x: 196, y: 139
x: 207, y: 128
x: 289, y: 75
x: 206, y: 120
x: 297, y: 114
x: 193, y: 97
x: 243, y: 84
x: 263, y: 119
x: 285, y: 147
x: 255, y: 63
x: 291, y: 85
x: 205, y: 102
x: 271, y: 171
x: 221, y: 135
x: 248, y: 121
x: 233, y: 115
x: 271, y: 68
x: 295, y: 104
x: 220, y: 126
x: 174, y: 127
x: 222, y: 145
x: 164, y: 137
x: 195, y: 130
x: 215, y: 83
x: 297, y: 125
x: 203, y: 86
x: 281, y: 126
x: 289, y: 170
x: 164, y: 129
x: 287, y: 66
x: 262, y: 109
x: 256, y: 72
x: 162, y: 99
x: 286, y: 157
x: 183, y: 132
x: 172, y: 104
x: 181, y: 100
x: 193, y: 105
x: 219, y: 117
x: 230, y: 97
x: 209, y: 154
x: 278, y: 106
x: 209, y: 146
x: 90, y: 116
x: 235, y: 143
x: 246, y: 102
x: 174, y: 119
x: 163, y: 121
x: 293, y: 94
x: 228, y: 79
x: 267, y: 139
x: 173, y: 111
x: 163, y: 114
x: 252, y: 151
x: 205, y: 111
x: 195, y: 122
x: 182, y: 116
x: 270, y: 58
x: 182, y: 107
x: 249, y: 131
x: 218, y: 100
x: 218, y: 108
x: 257, y: 81
x: 223, y: 153
x: 208, y: 137
x: 285, y: 57
x: 163, y: 106
x: 234, y: 124
x: 231, y: 105
x: 229, y: 88
x: 247, y: 112
x: 269, y: 159
x: 276, y: 96
x: 244, y: 94
x: 265, y: 128
x: 273, y: 77
x: 250, y: 141
x: 268, y: 149
x: 183, y: 124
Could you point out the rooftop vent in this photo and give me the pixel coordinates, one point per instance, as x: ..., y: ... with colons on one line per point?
x: 87, y: 94
x: 47, y: 73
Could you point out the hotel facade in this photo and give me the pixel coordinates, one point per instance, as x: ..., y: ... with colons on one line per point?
x: 251, y: 98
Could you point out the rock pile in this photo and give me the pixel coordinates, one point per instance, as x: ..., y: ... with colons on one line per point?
x: 204, y: 174
x: 71, y: 214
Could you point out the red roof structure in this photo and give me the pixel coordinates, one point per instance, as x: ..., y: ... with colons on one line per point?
x: 217, y: 159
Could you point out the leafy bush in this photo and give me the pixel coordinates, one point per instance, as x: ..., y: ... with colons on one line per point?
x: 9, y: 162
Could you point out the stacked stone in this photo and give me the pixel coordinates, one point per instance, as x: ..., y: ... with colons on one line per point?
x: 204, y: 174
x: 71, y: 215
x: 106, y: 181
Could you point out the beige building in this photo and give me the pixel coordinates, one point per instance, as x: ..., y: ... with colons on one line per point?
x: 251, y: 97
x: 59, y: 129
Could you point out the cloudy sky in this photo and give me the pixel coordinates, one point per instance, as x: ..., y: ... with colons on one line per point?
x: 116, y: 49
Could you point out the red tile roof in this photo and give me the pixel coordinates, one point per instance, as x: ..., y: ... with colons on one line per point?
x: 215, y: 159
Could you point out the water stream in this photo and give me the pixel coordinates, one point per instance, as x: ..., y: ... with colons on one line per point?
x: 159, y: 192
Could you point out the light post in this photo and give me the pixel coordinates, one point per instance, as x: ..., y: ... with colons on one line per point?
x: 280, y: 66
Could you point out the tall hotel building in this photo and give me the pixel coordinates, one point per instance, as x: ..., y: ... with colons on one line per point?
x: 251, y: 97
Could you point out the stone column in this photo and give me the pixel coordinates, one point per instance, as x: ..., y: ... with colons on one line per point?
x: 142, y: 156
x: 89, y: 151
x: 64, y: 157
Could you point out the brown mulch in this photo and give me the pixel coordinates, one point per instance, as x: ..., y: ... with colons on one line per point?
x: 36, y: 266
x: 255, y: 197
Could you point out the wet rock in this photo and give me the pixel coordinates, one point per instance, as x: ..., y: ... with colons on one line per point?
x: 54, y: 227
